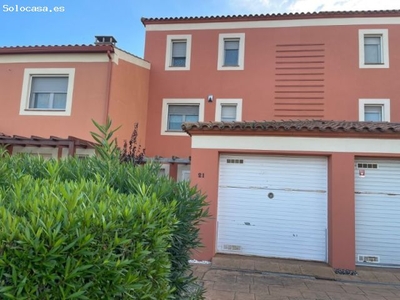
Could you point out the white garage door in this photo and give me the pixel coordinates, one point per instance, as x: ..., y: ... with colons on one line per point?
x: 273, y: 206
x: 377, y: 196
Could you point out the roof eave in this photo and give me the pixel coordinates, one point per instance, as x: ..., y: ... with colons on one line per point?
x: 56, y: 49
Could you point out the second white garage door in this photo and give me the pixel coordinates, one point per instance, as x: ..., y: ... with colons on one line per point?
x: 273, y: 206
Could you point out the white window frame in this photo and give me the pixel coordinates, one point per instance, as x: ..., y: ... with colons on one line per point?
x: 168, y: 55
x: 166, y: 168
x: 221, y: 51
x: 221, y: 102
x: 384, y: 34
x: 182, y: 170
x: 385, y: 103
x: 49, y: 72
x: 184, y: 101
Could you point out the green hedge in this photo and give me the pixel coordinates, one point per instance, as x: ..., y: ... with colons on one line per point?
x: 82, y: 240
x: 133, y: 188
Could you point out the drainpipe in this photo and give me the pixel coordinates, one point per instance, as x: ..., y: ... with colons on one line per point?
x: 108, y: 88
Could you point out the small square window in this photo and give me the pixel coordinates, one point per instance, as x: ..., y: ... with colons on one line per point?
x: 228, y: 110
x: 373, y: 113
x: 231, y: 51
x: 374, y: 110
x: 47, y: 92
x: 228, y: 113
x: 373, y: 48
x: 178, y: 50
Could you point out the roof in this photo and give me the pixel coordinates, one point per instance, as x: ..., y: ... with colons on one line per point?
x: 279, y: 16
x: 295, y: 126
x: 37, y: 141
x: 45, y: 49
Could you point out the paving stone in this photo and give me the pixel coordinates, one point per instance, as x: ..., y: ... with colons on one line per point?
x: 259, y: 288
x: 244, y: 296
x: 386, y: 291
x: 284, y: 291
x: 345, y: 296
x: 267, y: 266
x: 218, y: 276
x: 226, y: 262
x: 245, y: 278
x: 290, y: 269
x: 270, y: 297
x: 247, y: 264
x: 351, y: 289
x: 232, y: 286
x: 315, y: 295
x: 324, y: 286
x: 268, y: 280
x: 219, y: 295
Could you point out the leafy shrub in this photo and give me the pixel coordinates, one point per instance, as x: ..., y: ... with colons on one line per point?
x: 82, y: 240
x: 128, y: 179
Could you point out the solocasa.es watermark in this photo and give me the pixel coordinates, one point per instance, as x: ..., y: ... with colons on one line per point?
x: 32, y: 9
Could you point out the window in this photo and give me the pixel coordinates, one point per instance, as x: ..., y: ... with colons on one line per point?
x: 228, y: 110
x: 47, y: 92
x: 373, y: 48
x: 231, y: 51
x: 177, y: 111
x: 373, y: 113
x: 374, y: 110
x: 178, y: 52
x: 177, y: 114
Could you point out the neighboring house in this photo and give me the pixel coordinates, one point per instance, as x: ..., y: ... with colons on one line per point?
x: 50, y: 94
x: 316, y: 190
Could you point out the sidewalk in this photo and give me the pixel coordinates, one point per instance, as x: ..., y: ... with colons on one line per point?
x: 232, y: 277
x: 303, y: 268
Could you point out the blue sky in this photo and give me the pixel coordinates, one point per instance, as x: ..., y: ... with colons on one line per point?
x: 81, y: 20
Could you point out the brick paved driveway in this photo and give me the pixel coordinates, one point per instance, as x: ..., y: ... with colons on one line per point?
x: 248, y: 285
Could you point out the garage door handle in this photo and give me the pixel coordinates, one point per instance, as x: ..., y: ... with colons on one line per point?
x: 271, y: 195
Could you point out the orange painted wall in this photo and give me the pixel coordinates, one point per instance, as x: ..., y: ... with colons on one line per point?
x: 341, y: 211
x: 88, y: 101
x: 129, y: 96
x: 344, y: 83
x: 209, y: 185
x: 341, y: 201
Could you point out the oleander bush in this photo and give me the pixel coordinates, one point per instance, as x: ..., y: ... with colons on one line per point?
x: 83, y: 240
x: 122, y: 231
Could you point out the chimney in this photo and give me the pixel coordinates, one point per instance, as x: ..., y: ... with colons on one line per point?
x: 105, y: 40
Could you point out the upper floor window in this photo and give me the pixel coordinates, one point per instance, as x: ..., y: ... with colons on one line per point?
x: 178, y: 52
x: 177, y: 111
x: 231, y: 51
x: 47, y: 92
x: 228, y: 110
x: 374, y: 110
x: 373, y: 48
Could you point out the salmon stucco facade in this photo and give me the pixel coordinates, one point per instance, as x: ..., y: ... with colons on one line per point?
x: 59, y: 90
x: 254, y: 92
x: 289, y: 123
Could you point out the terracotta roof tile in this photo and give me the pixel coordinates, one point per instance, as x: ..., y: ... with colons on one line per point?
x: 302, y: 15
x: 304, y: 125
x: 55, y: 49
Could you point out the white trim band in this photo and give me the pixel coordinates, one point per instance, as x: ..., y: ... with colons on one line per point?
x: 298, y: 144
